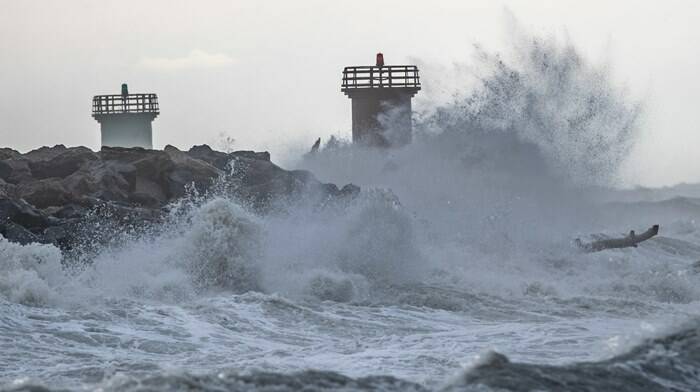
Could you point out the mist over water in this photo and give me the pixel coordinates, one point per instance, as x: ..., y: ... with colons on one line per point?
x: 509, y: 160
x: 459, y: 243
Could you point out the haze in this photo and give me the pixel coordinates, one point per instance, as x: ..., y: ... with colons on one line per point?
x: 267, y: 73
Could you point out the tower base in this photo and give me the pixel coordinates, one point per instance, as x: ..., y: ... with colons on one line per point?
x: 381, y: 117
x: 126, y: 129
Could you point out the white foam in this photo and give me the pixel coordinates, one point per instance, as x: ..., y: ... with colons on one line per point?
x: 29, y: 272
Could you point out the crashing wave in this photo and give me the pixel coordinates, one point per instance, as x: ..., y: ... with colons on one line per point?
x: 29, y: 273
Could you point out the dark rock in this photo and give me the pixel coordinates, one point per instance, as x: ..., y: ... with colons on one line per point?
x: 6, y: 190
x: 16, y: 233
x: 70, y: 211
x: 147, y: 193
x: 187, y: 170
x: 15, y: 171
x: 7, y: 153
x: 46, y: 193
x: 331, y: 189
x: 23, y: 214
x: 63, y: 164
x: 218, y: 159
x: 46, y: 153
x: 350, y: 190
x: 263, y: 156
x: 5, y: 170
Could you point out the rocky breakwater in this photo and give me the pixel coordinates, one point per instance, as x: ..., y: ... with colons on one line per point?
x: 46, y: 195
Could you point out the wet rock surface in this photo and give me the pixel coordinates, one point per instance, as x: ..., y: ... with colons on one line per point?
x: 46, y: 193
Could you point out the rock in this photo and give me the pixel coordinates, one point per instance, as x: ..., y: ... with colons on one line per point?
x: 69, y: 212
x: 15, y: 171
x: 45, y: 153
x: 16, y: 233
x: 21, y: 213
x: 158, y: 176
x: 6, y: 170
x: 7, y: 153
x: 45, y: 194
x: 349, y: 190
x: 63, y: 164
x: 147, y: 193
x: 262, y: 156
x: 219, y: 160
x: 188, y: 170
x: 6, y: 190
x: 262, y: 181
x: 109, y: 181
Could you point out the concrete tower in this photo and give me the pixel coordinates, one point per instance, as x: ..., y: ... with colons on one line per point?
x: 381, y: 102
x: 125, y: 119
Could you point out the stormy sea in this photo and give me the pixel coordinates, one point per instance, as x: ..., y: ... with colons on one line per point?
x: 455, y: 267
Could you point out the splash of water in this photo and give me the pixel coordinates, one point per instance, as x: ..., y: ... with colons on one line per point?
x: 545, y: 93
x: 30, y: 273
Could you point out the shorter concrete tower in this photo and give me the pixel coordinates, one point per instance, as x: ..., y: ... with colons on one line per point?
x: 125, y: 119
x: 381, y: 102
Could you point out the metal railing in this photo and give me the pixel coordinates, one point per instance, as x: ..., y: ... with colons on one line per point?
x: 390, y: 76
x: 131, y: 103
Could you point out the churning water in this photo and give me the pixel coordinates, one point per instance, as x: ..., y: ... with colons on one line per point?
x: 453, y: 270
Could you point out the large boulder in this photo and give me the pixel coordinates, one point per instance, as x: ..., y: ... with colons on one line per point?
x: 15, y: 170
x: 221, y: 160
x: 218, y: 159
x: 22, y: 213
x: 188, y: 170
x: 62, y: 163
x: 44, y: 193
x: 16, y: 233
x: 6, y: 190
x: 8, y: 153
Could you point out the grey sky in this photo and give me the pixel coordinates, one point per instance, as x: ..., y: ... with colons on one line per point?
x: 267, y: 73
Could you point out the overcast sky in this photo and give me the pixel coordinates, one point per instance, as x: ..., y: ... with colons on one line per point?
x: 267, y: 73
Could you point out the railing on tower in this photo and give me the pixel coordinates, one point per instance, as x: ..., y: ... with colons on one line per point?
x: 390, y: 76
x: 131, y: 103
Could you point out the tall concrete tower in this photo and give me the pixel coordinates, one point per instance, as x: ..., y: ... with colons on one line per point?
x: 125, y: 119
x: 381, y: 102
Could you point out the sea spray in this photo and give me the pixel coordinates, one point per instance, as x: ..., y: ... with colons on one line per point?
x: 544, y: 92
x: 214, y: 246
x: 355, y: 247
x: 30, y: 273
